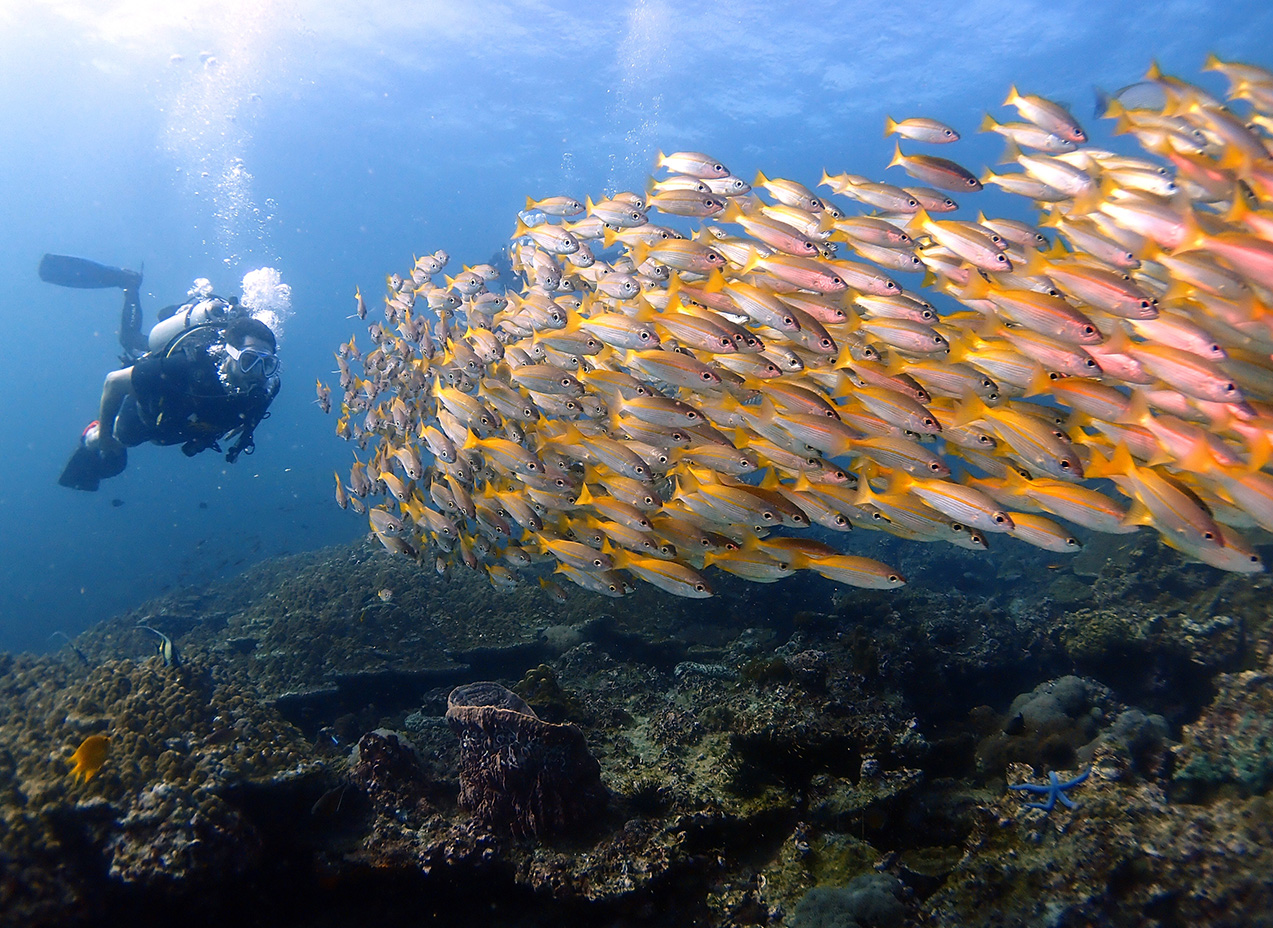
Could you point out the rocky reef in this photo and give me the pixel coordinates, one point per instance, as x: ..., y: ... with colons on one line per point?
x: 799, y: 754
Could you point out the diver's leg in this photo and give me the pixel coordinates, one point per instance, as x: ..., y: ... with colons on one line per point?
x: 130, y: 333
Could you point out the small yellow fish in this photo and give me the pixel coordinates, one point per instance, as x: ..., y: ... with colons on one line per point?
x: 1047, y: 115
x: 854, y: 571
x: 89, y: 756
x: 693, y: 163
x: 671, y: 576
x: 940, y: 172
x: 555, y: 206
x: 920, y: 129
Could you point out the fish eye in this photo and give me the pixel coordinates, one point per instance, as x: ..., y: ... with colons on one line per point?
x: 929, y: 422
x: 894, y: 578
x: 958, y: 527
x: 1073, y: 542
x: 934, y: 467
x: 912, y: 202
x: 1000, y: 519
x: 1208, y: 535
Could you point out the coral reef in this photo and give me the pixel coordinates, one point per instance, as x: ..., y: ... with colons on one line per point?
x: 794, y: 756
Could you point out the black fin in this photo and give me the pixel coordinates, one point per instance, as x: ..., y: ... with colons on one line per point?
x: 87, y: 468
x: 68, y: 271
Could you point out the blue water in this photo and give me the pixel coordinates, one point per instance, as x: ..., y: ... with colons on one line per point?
x: 336, y: 140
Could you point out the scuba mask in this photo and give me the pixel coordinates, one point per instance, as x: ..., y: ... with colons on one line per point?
x: 249, y: 358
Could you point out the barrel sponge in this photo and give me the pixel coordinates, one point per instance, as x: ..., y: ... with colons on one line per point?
x: 518, y: 772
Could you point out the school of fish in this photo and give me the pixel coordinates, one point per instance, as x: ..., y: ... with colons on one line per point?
x: 650, y: 400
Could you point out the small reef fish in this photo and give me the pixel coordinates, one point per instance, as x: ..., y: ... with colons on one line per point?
x: 649, y: 402
x: 89, y: 757
x: 164, y: 648
x: 71, y: 644
x: 324, y: 397
x: 921, y: 129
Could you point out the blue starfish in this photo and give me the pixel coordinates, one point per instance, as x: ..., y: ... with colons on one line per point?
x: 1055, y: 791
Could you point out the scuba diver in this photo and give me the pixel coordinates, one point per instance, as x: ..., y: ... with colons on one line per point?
x: 207, y: 372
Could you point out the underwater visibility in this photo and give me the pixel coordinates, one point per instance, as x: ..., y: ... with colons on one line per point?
x: 873, y: 537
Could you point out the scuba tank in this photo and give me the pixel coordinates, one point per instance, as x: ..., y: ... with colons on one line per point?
x: 204, y: 312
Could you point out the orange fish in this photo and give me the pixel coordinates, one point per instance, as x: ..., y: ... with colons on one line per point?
x: 90, y: 756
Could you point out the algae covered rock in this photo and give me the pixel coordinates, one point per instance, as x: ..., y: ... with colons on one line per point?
x: 1231, y: 745
x: 869, y: 901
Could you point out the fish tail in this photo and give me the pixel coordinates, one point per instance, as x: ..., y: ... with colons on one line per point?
x: 1103, y: 102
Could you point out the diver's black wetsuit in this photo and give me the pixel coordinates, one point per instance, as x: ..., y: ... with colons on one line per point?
x: 177, y: 398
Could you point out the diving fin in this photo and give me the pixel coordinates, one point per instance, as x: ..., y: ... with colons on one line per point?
x: 68, y: 271
x: 88, y: 467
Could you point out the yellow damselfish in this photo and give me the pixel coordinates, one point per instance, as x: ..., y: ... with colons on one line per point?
x: 89, y: 756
